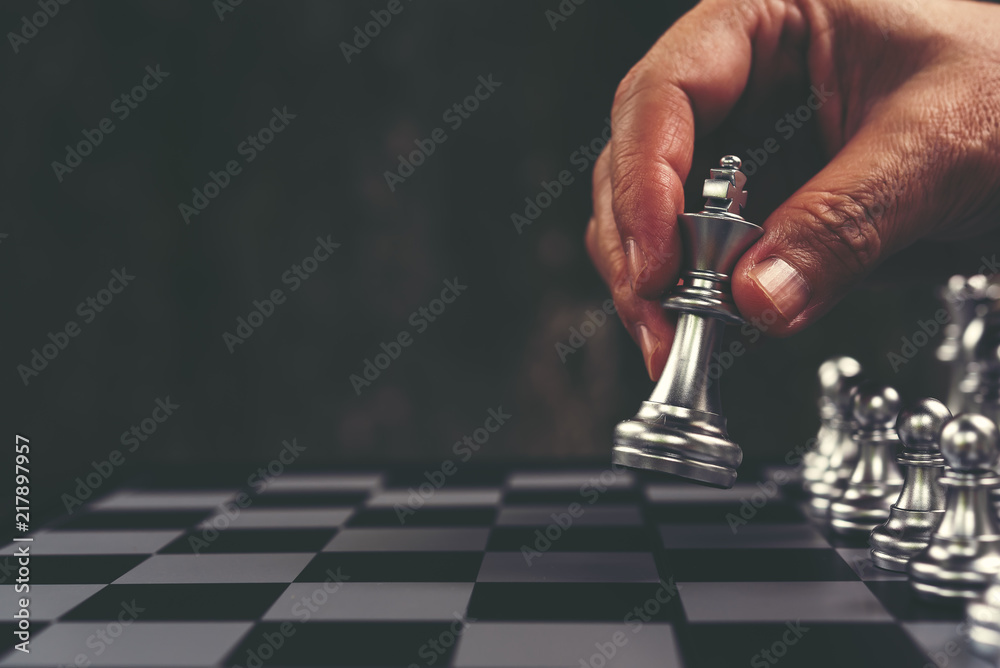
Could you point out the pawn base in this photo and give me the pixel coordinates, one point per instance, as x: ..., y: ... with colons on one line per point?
x: 678, y: 441
x: 903, y: 535
x: 954, y: 569
x: 862, y: 508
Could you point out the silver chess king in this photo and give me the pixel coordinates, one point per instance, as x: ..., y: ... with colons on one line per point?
x: 681, y: 430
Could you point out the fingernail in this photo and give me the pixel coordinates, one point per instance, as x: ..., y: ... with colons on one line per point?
x: 784, y: 286
x: 636, y: 262
x: 649, y: 344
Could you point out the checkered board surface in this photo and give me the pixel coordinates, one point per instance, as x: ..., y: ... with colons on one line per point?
x: 317, y: 570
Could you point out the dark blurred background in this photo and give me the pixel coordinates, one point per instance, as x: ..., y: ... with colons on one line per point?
x: 323, y: 176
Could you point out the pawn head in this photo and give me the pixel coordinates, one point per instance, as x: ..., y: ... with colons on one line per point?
x: 920, y: 424
x: 874, y: 405
x: 969, y: 442
x: 837, y: 377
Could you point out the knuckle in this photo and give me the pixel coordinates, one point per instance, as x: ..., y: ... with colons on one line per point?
x: 844, y: 225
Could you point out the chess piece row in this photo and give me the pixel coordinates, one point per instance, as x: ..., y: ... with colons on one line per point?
x: 936, y: 519
x: 927, y: 510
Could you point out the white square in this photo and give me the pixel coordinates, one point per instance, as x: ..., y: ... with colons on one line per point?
x: 140, y: 644
x: 96, y: 542
x: 781, y: 601
x: 441, y: 498
x: 136, y: 499
x: 280, y: 518
x: 570, y: 480
x: 372, y: 601
x: 540, y: 645
x: 48, y: 602
x: 752, y: 535
x: 681, y: 492
x: 217, y: 568
x: 306, y: 483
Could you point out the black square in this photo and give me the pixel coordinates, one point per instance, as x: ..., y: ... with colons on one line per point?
x: 571, y: 539
x: 82, y: 568
x: 902, y: 603
x: 146, y: 520
x: 461, y: 476
x: 310, y: 499
x: 564, y: 601
x: 347, y: 644
x: 213, y: 541
x: 8, y: 639
x: 176, y: 602
x: 424, y: 517
x: 394, y: 566
x: 773, y: 512
x: 588, y: 496
x: 810, y: 645
x: 754, y: 565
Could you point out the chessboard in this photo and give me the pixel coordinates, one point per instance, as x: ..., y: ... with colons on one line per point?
x: 496, y: 567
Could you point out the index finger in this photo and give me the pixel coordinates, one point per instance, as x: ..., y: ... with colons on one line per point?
x: 690, y: 80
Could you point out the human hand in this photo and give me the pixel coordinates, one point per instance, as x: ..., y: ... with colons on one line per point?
x: 907, y: 100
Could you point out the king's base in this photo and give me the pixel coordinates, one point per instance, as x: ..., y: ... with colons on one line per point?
x: 680, y: 442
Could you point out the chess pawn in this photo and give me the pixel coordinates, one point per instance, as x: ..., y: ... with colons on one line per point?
x: 980, y: 338
x: 983, y: 622
x: 681, y: 430
x: 961, y: 296
x: 876, y: 481
x: 986, y: 400
x: 830, y: 464
x: 920, y: 506
x: 963, y: 555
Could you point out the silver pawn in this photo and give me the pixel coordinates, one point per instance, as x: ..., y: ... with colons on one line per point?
x: 963, y: 556
x: 829, y: 465
x: 876, y: 480
x: 982, y: 617
x: 961, y: 297
x: 920, y: 506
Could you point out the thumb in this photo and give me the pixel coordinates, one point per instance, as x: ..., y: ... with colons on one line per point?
x: 866, y: 204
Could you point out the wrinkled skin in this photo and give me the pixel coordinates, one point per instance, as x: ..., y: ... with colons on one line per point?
x: 910, y: 119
